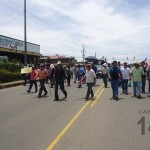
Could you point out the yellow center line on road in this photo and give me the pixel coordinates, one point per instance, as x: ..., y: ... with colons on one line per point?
x: 66, y: 128
x: 96, y: 93
x: 98, y: 96
x: 56, y: 140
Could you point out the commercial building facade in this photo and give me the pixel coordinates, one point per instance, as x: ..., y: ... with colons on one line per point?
x: 14, y: 50
x: 54, y: 59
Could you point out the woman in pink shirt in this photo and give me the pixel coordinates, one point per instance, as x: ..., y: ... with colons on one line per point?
x: 33, y: 76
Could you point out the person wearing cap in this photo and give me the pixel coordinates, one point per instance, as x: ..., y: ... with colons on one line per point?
x: 60, y: 78
x: 114, y: 75
x: 105, y: 71
x: 136, y: 73
x: 90, y: 80
x: 33, y: 76
x: 42, y: 77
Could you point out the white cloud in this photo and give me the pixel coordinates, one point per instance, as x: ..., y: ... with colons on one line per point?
x: 101, y: 25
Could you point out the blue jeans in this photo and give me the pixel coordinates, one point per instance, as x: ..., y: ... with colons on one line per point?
x: 31, y: 84
x: 42, y: 86
x: 89, y: 90
x: 114, y: 86
x: 125, y: 85
x: 105, y: 79
x: 137, y: 87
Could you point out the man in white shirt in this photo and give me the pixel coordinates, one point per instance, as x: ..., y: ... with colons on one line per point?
x: 90, y: 80
x: 125, y: 75
x: 105, y: 71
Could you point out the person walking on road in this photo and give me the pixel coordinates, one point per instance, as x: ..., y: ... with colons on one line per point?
x: 68, y: 74
x: 114, y: 75
x: 42, y: 77
x: 143, y: 76
x: 105, y: 71
x: 80, y: 72
x: 60, y: 78
x: 33, y: 76
x: 148, y: 77
x: 136, y: 73
x: 90, y: 80
x: 125, y: 78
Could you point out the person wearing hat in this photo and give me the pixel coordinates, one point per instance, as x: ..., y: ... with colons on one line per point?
x: 136, y: 73
x: 42, y: 77
x: 105, y: 71
x: 60, y: 78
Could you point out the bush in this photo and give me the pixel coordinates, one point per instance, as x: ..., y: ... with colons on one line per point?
x: 12, y: 67
x: 7, y: 76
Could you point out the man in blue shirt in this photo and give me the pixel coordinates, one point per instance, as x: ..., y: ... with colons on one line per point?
x: 80, y: 72
x: 114, y: 75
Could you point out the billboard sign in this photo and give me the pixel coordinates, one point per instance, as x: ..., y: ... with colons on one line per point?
x: 15, y: 44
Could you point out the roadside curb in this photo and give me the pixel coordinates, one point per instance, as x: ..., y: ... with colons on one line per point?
x: 10, y: 84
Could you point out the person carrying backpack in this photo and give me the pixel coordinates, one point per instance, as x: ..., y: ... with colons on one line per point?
x: 114, y: 75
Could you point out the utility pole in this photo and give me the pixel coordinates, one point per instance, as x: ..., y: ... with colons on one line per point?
x: 83, y: 52
x: 25, y: 38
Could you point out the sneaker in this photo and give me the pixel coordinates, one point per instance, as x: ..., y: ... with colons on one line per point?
x: 28, y: 91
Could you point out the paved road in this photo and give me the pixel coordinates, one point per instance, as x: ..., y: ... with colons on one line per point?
x: 29, y: 123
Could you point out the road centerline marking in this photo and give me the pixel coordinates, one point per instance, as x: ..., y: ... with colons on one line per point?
x: 60, y: 135
x: 98, y: 96
x: 66, y: 128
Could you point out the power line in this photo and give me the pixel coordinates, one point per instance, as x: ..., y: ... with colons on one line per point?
x: 10, y: 21
x: 16, y: 4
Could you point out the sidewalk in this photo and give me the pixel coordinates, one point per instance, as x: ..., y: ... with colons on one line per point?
x: 11, y: 84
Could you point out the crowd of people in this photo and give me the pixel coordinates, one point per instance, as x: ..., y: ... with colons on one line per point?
x: 115, y: 73
x: 123, y: 75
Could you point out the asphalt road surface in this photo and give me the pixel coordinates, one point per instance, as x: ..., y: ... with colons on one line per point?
x: 31, y: 123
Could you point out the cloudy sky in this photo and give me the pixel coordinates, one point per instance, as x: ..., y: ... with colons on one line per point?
x: 109, y: 28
